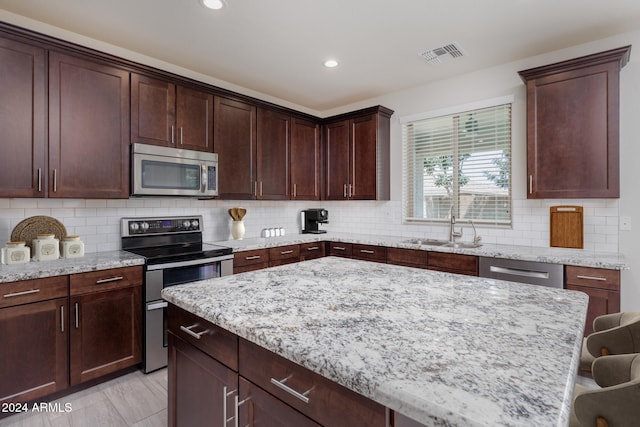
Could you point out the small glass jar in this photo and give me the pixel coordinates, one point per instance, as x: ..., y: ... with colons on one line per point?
x: 71, y: 247
x: 15, y: 253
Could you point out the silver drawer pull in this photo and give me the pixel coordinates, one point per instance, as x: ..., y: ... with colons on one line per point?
x: 365, y: 251
x: 18, y: 294
x: 601, y: 279
x: 248, y: 258
x: 157, y: 306
x: 313, y: 248
x: 281, y: 384
x: 110, y: 279
x: 339, y: 248
x: 285, y: 252
x: 196, y: 335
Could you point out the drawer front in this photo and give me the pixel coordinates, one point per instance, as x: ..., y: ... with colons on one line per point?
x: 322, y: 400
x: 218, y: 343
x: 284, y: 252
x: 257, y: 256
x: 105, y: 280
x: 312, y: 250
x: 407, y: 257
x: 340, y: 249
x: 599, y: 278
x: 369, y: 252
x: 250, y: 267
x: 28, y: 291
x: 453, y: 263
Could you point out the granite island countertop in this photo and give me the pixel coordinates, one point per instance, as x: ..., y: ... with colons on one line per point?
x: 576, y: 257
x: 443, y: 349
x: 59, y: 267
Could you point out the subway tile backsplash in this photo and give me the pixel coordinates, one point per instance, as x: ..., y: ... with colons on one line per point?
x: 97, y: 222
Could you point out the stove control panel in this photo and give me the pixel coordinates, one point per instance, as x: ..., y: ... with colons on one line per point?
x: 160, y: 225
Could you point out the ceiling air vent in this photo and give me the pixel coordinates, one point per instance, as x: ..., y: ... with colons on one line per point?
x: 442, y: 54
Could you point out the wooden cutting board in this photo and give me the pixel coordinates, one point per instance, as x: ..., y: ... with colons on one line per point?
x: 567, y: 227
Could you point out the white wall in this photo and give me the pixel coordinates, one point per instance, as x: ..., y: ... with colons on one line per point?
x: 97, y: 221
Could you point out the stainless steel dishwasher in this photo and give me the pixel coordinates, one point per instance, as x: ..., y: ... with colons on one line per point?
x: 535, y: 273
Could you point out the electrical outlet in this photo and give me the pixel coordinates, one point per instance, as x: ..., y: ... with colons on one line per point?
x: 625, y: 223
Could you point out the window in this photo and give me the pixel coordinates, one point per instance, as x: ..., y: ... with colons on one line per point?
x: 460, y: 163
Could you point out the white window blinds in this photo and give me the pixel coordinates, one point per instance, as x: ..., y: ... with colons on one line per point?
x: 459, y: 161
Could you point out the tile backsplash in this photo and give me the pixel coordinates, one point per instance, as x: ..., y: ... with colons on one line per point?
x: 97, y: 222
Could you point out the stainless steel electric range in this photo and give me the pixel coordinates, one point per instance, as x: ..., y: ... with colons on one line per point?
x: 175, y: 254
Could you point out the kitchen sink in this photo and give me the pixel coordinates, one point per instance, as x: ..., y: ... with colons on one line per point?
x: 443, y: 243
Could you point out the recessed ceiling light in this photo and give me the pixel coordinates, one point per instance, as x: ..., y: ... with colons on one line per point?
x: 212, y: 4
x: 330, y: 63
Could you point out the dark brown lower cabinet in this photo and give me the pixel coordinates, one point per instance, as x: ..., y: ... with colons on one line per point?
x: 105, y: 333
x: 407, y: 257
x: 201, y: 391
x: 453, y: 263
x: 33, y: 359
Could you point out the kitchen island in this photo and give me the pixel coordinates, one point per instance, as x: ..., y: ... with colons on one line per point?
x: 440, y: 348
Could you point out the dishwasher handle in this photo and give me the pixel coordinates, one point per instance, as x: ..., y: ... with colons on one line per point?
x: 519, y: 272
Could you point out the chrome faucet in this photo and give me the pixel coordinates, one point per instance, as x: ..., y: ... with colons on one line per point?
x: 452, y: 232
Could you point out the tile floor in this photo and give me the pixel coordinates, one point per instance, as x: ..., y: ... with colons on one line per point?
x: 135, y: 399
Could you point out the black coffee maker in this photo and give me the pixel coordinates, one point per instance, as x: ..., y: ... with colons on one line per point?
x: 310, y: 219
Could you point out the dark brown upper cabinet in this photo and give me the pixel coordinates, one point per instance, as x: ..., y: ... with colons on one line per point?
x: 306, y: 161
x: 357, y: 155
x: 170, y: 115
x: 23, y: 164
x: 88, y: 129
x: 272, y: 155
x: 573, y: 127
x: 235, y: 142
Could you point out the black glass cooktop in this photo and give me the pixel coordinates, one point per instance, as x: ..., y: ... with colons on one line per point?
x: 181, y: 252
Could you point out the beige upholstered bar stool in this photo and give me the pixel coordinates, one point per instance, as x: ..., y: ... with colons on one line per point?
x: 616, y: 333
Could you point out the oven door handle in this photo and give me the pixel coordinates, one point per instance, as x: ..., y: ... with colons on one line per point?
x: 157, y: 306
x: 201, y: 261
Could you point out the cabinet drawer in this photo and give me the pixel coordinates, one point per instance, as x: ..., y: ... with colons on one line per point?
x: 340, y: 249
x: 209, y: 338
x: 28, y: 291
x: 453, y: 263
x: 600, y: 278
x: 322, y: 400
x: 407, y: 257
x: 312, y: 250
x: 244, y: 258
x: 369, y: 252
x: 284, y: 252
x: 105, y: 280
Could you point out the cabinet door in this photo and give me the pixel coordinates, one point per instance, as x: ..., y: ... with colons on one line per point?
x: 153, y: 111
x: 306, y: 165
x: 22, y: 120
x: 261, y: 409
x: 453, y: 263
x: 201, y: 390
x: 337, y: 160
x: 363, y: 158
x: 235, y: 143
x: 274, y: 131
x: 105, y: 333
x: 33, y: 361
x: 194, y: 118
x: 601, y: 301
x: 88, y: 129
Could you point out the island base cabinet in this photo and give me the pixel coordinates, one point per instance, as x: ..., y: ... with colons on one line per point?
x: 201, y: 390
x: 258, y: 408
x: 34, y: 341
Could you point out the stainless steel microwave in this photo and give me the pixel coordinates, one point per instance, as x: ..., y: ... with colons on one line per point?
x: 165, y: 171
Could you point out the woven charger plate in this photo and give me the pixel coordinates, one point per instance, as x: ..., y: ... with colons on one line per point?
x: 28, y: 229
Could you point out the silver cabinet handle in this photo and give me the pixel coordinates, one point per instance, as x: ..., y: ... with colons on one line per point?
x: 295, y: 192
x: 181, y: 136
x: 237, y: 408
x: 530, y: 184
x: 196, y: 335
x: 285, y: 252
x: 601, y: 279
x: 249, y: 258
x: 255, y: 188
x: 77, y: 321
x: 519, y: 272
x: 110, y: 279
x: 173, y: 135
x: 281, y: 384
x: 62, y: 318
x: 18, y: 294
x: 339, y: 248
x: 261, y: 188
x: 366, y: 251
x: 344, y: 192
x: 39, y: 179
x: 313, y: 248
x: 157, y: 306
x: 225, y: 396
x: 55, y: 180
x: 350, y: 190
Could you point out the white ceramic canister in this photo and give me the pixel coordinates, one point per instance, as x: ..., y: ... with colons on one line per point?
x: 46, y: 247
x: 15, y: 253
x: 237, y: 230
x: 71, y: 247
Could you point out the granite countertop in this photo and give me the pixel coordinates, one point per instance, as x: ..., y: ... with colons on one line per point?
x: 576, y: 257
x: 443, y: 349
x: 89, y: 262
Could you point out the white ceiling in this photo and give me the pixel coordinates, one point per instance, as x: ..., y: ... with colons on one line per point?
x: 277, y: 47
